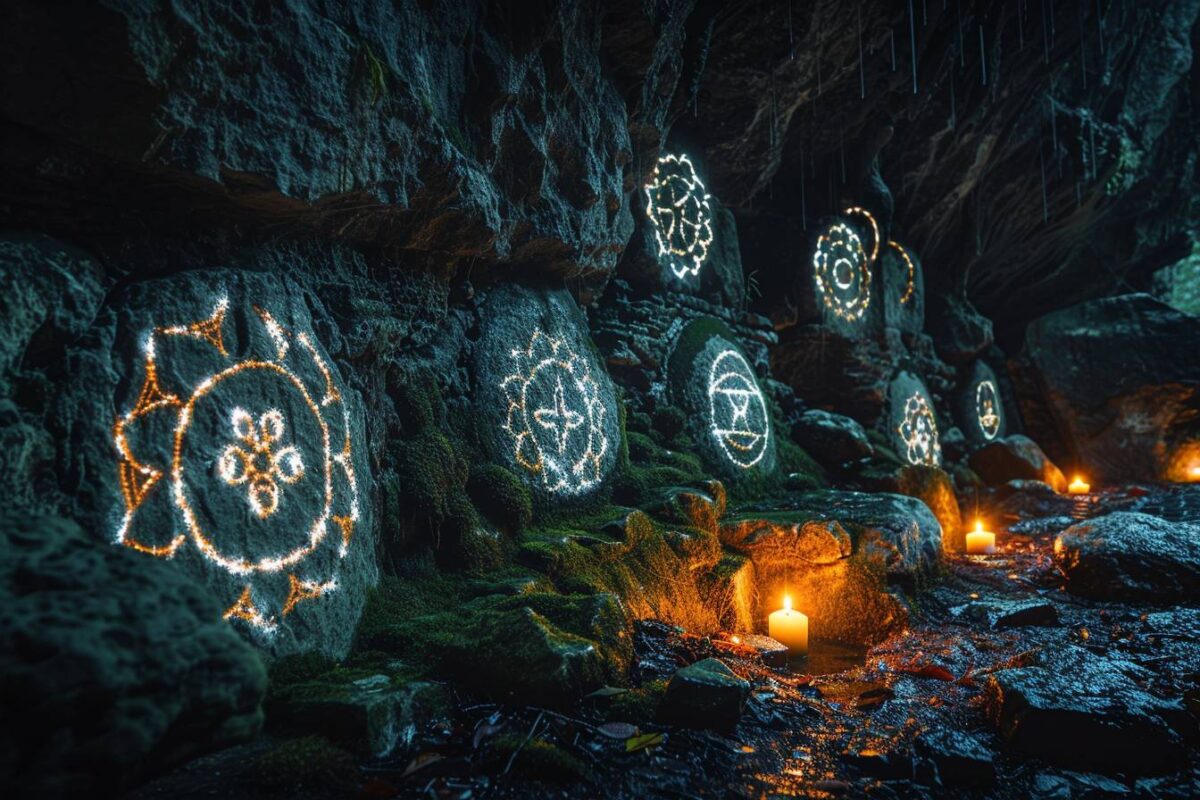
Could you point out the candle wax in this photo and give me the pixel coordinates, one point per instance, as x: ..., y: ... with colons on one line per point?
x: 981, y: 543
x: 790, y: 628
x: 1079, y: 487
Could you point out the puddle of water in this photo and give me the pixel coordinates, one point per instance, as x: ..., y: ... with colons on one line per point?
x: 826, y: 658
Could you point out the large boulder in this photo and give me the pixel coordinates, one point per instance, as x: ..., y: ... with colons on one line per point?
x: 546, y: 407
x: 912, y: 422
x: 729, y: 415
x: 1016, y: 457
x: 1121, y: 376
x: 208, y: 423
x: 1131, y: 556
x: 112, y: 664
x: 832, y: 439
x: 979, y: 407
x: 934, y: 487
x: 1082, y: 711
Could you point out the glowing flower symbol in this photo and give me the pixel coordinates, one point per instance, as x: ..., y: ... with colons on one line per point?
x: 919, y: 432
x: 680, y: 215
x: 253, y: 462
x: 842, y: 272
x: 737, y: 411
x: 987, y: 409
x: 256, y: 458
x: 555, y: 415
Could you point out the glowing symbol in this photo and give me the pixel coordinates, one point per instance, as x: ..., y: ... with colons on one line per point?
x: 738, y: 413
x: 679, y: 212
x: 252, y: 462
x: 987, y: 409
x: 919, y: 432
x: 910, y: 285
x: 555, y: 416
x: 256, y: 458
x: 842, y: 272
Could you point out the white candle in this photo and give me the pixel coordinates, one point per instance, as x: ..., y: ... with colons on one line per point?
x: 980, y: 542
x: 789, y: 628
x: 1078, y: 486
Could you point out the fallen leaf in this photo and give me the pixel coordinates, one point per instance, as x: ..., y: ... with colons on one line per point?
x: 420, y: 762
x: 607, y: 691
x: 929, y: 671
x: 646, y: 740
x: 618, y: 730
x: 874, y: 698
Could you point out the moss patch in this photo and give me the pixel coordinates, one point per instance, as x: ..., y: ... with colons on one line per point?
x: 308, y: 761
x: 537, y: 759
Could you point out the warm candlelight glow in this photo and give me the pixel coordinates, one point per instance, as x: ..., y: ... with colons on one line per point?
x: 1079, y: 486
x: 1195, y: 472
x: 789, y: 628
x: 980, y: 542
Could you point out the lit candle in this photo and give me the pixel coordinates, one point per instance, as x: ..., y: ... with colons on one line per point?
x: 789, y: 628
x: 1194, y: 472
x: 980, y: 542
x: 1078, y: 486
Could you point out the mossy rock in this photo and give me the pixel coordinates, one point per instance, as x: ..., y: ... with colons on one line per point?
x: 501, y: 497
x: 537, y: 759
x: 706, y: 694
x: 307, y: 761
x: 934, y: 488
x: 638, y: 706
x: 535, y: 647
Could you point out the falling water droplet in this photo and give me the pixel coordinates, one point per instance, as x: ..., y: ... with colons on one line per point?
x: 912, y: 41
x: 982, y: 58
x: 1042, y: 164
x: 862, y: 80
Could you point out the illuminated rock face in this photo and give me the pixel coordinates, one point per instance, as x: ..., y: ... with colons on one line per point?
x: 912, y: 422
x: 728, y: 414
x: 903, y: 292
x: 680, y: 216
x: 549, y: 407
x: 980, y: 408
x: 236, y: 451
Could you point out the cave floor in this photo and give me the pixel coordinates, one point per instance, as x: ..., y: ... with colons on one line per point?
x: 847, y: 723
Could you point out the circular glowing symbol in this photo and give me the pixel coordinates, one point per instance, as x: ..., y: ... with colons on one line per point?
x: 987, y: 409
x: 263, y: 456
x: 737, y: 411
x: 842, y: 272
x: 555, y: 416
x: 919, y: 433
x: 679, y: 212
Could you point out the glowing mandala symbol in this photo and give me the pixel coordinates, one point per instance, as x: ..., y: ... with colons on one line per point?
x: 737, y: 410
x: 842, y: 270
x: 294, y: 475
x: 680, y: 215
x: 987, y: 409
x: 555, y: 415
x: 910, y: 280
x: 918, y: 430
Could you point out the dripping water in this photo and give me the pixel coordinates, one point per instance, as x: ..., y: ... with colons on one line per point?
x: 982, y: 58
x: 912, y: 41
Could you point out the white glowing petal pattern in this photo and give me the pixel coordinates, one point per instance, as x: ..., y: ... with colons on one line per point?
x: 918, y: 430
x: 738, y: 414
x: 842, y: 272
x: 555, y: 415
x: 987, y: 409
x: 255, y: 460
x: 680, y: 215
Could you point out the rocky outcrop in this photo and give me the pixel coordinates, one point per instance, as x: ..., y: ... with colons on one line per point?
x: 1016, y: 458
x: 116, y: 665
x: 1082, y: 711
x: 832, y: 439
x: 1121, y: 377
x: 1131, y: 556
x: 933, y: 487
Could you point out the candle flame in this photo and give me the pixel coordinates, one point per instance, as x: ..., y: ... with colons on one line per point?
x: 979, y: 526
x: 787, y: 603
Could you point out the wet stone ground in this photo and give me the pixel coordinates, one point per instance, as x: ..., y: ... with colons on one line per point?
x: 1005, y: 685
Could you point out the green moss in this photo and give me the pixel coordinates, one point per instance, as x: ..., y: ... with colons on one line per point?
x: 669, y: 422
x: 537, y: 759
x: 308, y: 761
x: 690, y: 343
x: 637, y: 706
x: 501, y: 497
x: 300, y: 668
